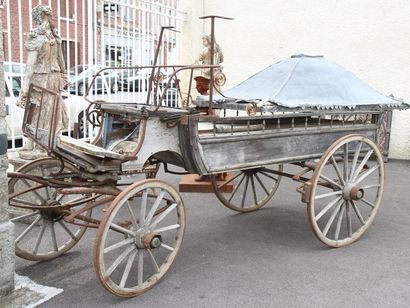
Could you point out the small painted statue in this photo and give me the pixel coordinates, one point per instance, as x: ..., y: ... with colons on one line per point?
x: 205, y: 59
x: 45, y: 68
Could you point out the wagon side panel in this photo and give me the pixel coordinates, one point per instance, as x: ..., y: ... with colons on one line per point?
x: 249, y: 151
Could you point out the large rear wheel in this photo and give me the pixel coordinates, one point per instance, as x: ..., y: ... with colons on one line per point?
x: 346, y: 190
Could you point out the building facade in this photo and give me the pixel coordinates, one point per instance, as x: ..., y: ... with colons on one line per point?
x: 70, y: 18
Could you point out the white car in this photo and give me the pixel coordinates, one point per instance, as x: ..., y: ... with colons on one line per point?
x: 75, y: 106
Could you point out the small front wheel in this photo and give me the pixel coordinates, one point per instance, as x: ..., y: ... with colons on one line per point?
x: 139, y: 238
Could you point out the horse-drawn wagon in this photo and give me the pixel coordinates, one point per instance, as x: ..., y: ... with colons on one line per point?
x: 336, y: 150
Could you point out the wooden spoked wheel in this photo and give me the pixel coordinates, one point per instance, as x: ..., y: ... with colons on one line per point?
x: 251, y: 189
x: 42, y: 234
x: 139, y: 238
x: 346, y: 190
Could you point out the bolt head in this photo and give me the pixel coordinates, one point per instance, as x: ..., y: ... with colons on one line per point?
x: 155, y: 242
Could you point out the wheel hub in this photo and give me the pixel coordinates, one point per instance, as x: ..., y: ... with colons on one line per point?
x: 52, y: 214
x: 147, y: 240
x: 352, y: 192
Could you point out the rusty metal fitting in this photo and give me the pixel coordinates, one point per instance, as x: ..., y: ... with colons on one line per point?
x: 356, y: 193
x: 151, y: 240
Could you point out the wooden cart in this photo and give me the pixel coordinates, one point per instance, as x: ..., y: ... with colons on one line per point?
x: 335, y: 155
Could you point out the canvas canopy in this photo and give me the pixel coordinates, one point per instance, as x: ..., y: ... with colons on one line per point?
x: 308, y: 81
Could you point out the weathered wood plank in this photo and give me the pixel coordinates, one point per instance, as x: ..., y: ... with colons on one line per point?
x: 89, y: 148
x: 232, y: 153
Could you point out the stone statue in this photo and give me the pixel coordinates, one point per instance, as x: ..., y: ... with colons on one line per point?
x: 205, y: 55
x: 45, y: 68
x: 202, y: 81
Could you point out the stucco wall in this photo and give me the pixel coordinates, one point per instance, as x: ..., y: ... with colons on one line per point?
x: 371, y: 38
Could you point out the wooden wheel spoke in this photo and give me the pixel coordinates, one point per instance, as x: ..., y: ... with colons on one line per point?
x: 27, y: 230
x: 127, y: 269
x: 143, y: 206
x: 119, y: 245
x: 46, y: 188
x: 229, y: 181
x: 39, y: 237
x: 53, y: 237
x: 154, y: 208
x: 16, y: 201
x: 331, y: 219
x: 245, y: 189
x: 140, y: 267
x: 163, y: 215
x: 339, y: 221
x: 261, y: 184
x: 58, y: 199
x: 15, y: 219
x: 366, y: 174
x: 365, y: 201
x: 27, y: 190
x: 330, y: 181
x: 355, y: 159
x: 119, y: 260
x: 371, y: 186
x: 255, y: 199
x: 120, y: 229
x: 167, y: 247
x: 237, y: 187
x: 358, y: 214
x: 362, y: 164
x: 154, y: 262
x: 348, y: 220
x: 329, y: 194
x: 268, y: 175
x: 68, y: 231
x: 133, y: 219
x: 168, y: 228
x: 328, y: 207
x: 346, y: 162
x: 338, y: 172
x: 34, y: 190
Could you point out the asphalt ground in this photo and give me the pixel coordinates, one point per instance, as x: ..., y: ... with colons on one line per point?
x: 268, y: 258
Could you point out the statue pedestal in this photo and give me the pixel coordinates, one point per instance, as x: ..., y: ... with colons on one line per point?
x: 189, y: 183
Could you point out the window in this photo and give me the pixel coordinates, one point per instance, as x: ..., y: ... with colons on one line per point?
x: 67, y: 5
x: 113, y: 55
x: 69, y: 52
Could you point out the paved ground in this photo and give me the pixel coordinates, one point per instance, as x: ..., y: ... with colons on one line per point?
x: 268, y: 258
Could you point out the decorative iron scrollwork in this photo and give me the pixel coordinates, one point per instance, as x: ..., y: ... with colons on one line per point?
x: 219, y: 79
x: 383, y: 132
